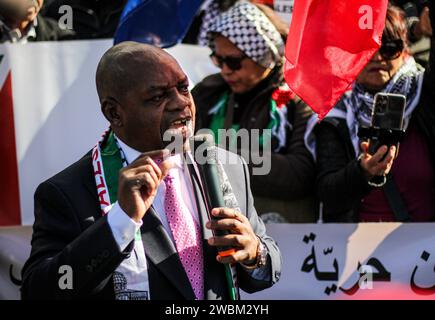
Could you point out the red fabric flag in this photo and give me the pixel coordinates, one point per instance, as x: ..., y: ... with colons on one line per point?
x: 10, y: 213
x: 329, y: 43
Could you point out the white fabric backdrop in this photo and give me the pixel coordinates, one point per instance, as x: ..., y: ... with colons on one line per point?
x: 56, y: 109
x: 390, y: 248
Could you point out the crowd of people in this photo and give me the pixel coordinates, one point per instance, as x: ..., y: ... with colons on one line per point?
x: 325, y: 165
x: 337, y: 172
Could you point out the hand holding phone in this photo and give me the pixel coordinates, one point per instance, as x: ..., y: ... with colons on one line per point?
x: 387, y: 121
x: 378, y: 164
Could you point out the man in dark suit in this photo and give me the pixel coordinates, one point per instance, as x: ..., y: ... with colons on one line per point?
x: 144, y: 94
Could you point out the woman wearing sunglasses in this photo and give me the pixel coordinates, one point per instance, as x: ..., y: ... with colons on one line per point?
x: 249, y: 93
x: 384, y: 186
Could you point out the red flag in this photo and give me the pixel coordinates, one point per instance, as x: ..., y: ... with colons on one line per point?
x: 9, y: 189
x: 329, y: 43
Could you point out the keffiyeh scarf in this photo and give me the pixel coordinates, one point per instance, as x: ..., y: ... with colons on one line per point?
x: 247, y: 27
x: 356, y: 106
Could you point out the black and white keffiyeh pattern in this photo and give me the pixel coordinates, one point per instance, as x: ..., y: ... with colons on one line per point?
x: 356, y: 106
x: 247, y: 27
x: 211, y: 12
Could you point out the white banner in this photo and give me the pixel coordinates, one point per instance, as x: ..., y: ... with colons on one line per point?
x: 55, y: 105
x: 354, y: 261
x: 321, y: 261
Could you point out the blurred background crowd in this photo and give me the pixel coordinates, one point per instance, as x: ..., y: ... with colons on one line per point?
x: 319, y: 171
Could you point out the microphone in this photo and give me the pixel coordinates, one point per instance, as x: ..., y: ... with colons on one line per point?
x: 205, y: 156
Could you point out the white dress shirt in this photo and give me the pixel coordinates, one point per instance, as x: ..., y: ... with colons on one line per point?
x: 124, y: 228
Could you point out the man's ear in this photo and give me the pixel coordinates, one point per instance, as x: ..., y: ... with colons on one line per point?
x: 112, y: 111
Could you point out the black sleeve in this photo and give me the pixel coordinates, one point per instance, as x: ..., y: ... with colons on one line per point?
x: 340, y: 181
x: 59, y: 240
x: 247, y: 282
x: 292, y: 173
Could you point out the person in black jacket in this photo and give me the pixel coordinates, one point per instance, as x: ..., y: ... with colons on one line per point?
x: 357, y: 186
x: 20, y: 22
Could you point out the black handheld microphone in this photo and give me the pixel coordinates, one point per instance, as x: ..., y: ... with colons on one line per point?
x: 205, y: 155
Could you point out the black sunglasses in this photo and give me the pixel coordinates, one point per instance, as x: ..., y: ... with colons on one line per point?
x: 234, y: 63
x: 391, y: 49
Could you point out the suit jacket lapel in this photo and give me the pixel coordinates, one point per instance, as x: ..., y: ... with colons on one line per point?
x: 161, y: 251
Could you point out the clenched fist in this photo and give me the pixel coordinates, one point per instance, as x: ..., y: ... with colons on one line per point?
x: 138, y: 182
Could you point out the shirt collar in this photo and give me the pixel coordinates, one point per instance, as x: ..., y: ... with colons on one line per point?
x: 132, y: 154
x: 31, y: 32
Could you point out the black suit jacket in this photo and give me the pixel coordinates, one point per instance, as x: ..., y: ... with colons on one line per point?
x: 70, y: 230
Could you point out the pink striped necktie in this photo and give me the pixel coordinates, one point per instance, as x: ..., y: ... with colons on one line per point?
x: 187, y: 236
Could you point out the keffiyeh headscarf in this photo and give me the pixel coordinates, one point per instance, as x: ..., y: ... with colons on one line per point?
x: 248, y: 28
x: 356, y: 106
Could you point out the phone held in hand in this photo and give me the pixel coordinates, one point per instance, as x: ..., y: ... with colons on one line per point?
x: 387, y: 121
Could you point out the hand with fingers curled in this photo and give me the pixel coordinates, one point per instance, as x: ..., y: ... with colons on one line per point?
x: 138, y: 182
x: 378, y: 164
x: 241, y: 236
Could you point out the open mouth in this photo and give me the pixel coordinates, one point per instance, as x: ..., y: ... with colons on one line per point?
x: 180, y: 123
x: 180, y: 127
x: 176, y: 134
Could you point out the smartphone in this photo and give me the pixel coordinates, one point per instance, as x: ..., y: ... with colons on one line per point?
x: 388, y: 111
